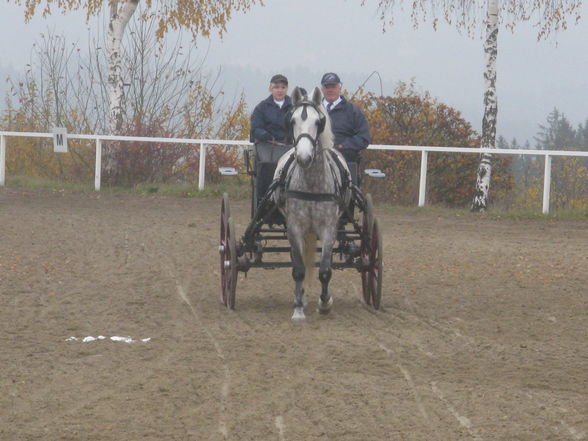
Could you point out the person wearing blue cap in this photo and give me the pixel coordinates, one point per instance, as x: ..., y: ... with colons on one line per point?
x: 268, y: 132
x: 349, y: 124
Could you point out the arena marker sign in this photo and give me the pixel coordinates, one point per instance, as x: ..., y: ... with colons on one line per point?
x: 59, y: 139
x: 228, y: 171
x: 374, y: 173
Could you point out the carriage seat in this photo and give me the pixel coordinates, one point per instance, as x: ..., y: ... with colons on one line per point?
x: 266, y: 157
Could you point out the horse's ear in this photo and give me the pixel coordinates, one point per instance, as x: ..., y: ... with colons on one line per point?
x: 317, y: 97
x: 296, y: 96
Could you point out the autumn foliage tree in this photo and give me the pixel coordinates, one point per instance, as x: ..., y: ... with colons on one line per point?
x: 548, y: 16
x: 410, y: 117
x: 168, y: 95
x: 200, y: 17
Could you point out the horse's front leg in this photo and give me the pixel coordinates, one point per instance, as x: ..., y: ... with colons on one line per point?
x: 325, y: 272
x: 298, y: 272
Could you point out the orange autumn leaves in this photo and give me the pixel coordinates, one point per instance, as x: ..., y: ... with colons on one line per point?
x: 410, y: 117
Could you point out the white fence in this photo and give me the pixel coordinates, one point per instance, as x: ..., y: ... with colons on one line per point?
x: 202, y: 143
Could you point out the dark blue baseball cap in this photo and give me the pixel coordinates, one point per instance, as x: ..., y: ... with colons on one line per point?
x: 330, y: 78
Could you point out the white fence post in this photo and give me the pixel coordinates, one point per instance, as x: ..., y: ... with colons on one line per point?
x: 2, y: 160
x: 546, y: 184
x: 98, y: 170
x: 423, y: 181
x: 202, y: 166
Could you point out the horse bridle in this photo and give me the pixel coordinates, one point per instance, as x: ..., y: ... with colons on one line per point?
x: 321, y: 123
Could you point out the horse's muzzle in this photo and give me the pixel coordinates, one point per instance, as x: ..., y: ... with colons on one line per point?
x: 304, y: 161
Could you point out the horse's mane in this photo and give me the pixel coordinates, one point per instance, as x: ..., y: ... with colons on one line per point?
x: 326, y: 137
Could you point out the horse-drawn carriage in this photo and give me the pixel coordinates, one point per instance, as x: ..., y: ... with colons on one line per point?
x: 314, y: 195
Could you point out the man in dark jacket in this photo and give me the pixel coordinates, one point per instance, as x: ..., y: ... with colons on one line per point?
x: 268, y: 132
x: 350, y: 127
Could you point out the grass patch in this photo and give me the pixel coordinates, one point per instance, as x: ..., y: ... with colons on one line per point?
x: 38, y: 183
x: 236, y: 188
x: 240, y: 189
x: 493, y: 213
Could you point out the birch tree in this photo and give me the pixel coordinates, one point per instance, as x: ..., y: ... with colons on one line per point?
x: 120, y: 16
x: 481, y: 192
x: 201, y: 17
x: 548, y: 16
x: 169, y: 95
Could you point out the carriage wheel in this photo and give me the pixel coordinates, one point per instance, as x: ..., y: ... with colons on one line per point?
x: 225, y: 214
x: 224, y: 221
x: 371, y: 256
x: 375, y: 273
x: 367, y: 227
x: 369, y: 212
x: 228, y: 257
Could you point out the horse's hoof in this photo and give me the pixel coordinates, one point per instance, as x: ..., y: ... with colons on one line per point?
x: 298, y: 315
x: 325, y: 308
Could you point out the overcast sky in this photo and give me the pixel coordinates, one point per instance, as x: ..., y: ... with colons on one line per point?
x: 305, y: 38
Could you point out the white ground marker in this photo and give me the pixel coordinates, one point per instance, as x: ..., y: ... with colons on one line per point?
x: 281, y: 427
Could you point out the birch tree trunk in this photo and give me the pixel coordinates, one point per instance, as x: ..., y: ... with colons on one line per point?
x: 480, y: 202
x: 119, y: 18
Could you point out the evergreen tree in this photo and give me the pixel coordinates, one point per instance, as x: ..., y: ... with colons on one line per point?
x: 568, y: 175
x: 502, y: 143
x: 557, y: 133
x: 582, y: 135
x: 519, y: 162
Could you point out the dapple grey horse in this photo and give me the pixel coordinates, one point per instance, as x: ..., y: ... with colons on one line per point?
x: 311, y: 197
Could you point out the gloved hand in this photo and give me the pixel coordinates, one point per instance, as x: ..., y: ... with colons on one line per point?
x: 266, y: 137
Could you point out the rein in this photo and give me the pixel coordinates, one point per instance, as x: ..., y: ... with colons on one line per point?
x: 281, y: 144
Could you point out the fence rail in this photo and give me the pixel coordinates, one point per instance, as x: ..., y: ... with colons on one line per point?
x: 202, y: 143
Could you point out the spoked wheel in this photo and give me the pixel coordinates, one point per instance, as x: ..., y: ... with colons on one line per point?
x: 367, y: 226
x: 376, y: 266
x: 371, y: 260
x: 225, y: 214
x: 368, y: 214
x: 228, y: 255
x: 224, y: 222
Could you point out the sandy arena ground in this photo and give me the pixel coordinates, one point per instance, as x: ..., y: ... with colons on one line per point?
x: 483, y: 335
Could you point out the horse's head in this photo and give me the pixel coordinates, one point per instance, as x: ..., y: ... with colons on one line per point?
x: 307, y: 122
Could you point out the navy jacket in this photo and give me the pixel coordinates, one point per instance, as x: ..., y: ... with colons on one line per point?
x: 268, y: 120
x: 350, y: 128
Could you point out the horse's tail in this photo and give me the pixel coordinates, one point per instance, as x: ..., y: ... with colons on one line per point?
x: 309, y: 258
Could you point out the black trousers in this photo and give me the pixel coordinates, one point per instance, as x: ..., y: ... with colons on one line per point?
x: 266, y: 159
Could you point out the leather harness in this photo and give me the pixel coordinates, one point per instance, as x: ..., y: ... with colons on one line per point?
x: 340, y: 189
